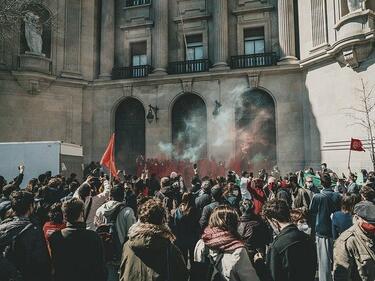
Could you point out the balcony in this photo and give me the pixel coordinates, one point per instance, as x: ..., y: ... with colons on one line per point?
x: 189, y: 66
x: 133, y: 3
x: 255, y: 60
x: 131, y: 72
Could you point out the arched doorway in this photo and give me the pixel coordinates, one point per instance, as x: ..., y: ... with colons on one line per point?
x: 130, y: 134
x: 189, y: 128
x: 256, y: 130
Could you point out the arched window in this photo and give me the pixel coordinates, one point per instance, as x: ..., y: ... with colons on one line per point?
x: 256, y: 130
x: 189, y: 128
x: 130, y: 134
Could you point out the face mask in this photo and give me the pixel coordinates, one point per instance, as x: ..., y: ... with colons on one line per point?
x: 304, y: 227
x: 368, y: 227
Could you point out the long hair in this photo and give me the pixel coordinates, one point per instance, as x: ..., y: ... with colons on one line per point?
x: 187, y: 203
x: 225, y: 218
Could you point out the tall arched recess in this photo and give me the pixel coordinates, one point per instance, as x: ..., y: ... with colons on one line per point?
x: 130, y: 134
x: 256, y: 130
x: 189, y: 128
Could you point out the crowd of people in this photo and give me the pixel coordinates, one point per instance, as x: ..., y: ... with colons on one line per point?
x: 305, y: 225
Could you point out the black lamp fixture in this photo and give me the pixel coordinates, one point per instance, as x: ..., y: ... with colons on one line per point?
x: 217, y: 108
x: 152, y: 114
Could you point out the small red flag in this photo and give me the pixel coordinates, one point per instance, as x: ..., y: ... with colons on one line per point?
x: 356, y: 145
x: 108, y: 158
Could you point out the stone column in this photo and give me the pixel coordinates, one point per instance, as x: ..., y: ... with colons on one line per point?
x: 287, y: 39
x: 220, y: 20
x: 160, y: 38
x: 107, y: 39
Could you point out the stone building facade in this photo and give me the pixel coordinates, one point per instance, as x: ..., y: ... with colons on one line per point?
x: 290, y: 68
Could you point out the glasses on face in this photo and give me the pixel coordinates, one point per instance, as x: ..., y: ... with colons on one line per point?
x: 309, y: 181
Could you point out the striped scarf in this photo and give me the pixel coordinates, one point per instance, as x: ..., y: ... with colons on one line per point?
x: 221, y: 240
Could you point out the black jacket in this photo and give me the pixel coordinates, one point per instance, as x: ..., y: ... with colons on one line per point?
x: 31, y: 253
x: 77, y: 254
x: 255, y: 232
x: 292, y: 256
x: 206, y: 213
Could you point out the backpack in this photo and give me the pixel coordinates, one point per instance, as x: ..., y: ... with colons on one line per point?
x: 109, y: 236
x: 9, y: 270
x: 209, y: 268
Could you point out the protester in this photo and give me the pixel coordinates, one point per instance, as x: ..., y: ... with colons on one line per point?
x: 354, y: 250
x: 353, y: 187
x: 56, y: 221
x: 150, y: 252
x: 185, y: 226
x: 204, y: 196
x: 292, y: 255
x: 22, y: 244
x: 367, y: 194
x: 323, y: 205
x: 89, y: 193
x: 342, y: 220
x: 226, y: 250
x: 258, y: 195
x: 77, y: 254
x: 217, y: 197
x: 244, y: 183
x: 252, y: 229
x: 299, y: 217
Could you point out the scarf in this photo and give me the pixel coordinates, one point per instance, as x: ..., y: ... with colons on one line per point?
x: 221, y: 240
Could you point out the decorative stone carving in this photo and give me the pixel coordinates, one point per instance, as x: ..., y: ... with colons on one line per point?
x: 33, y: 33
x: 355, y: 5
x: 187, y: 85
x: 33, y: 83
x: 355, y: 34
x: 253, y: 79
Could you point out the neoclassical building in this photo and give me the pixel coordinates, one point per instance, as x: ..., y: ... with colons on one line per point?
x: 268, y: 81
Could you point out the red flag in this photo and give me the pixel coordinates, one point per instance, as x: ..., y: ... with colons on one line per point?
x: 356, y: 145
x: 108, y: 158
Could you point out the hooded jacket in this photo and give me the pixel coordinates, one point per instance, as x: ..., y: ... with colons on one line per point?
x: 31, y: 257
x: 125, y: 218
x: 150, y: 255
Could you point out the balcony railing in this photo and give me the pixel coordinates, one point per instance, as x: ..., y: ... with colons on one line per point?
x: 188, y: 66
x: 255, y: 60
x: 132, y: 3
x: 131, y: 72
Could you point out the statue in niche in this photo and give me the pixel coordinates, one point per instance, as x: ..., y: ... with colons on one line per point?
x: 33, y: 32
x: 355, y: 5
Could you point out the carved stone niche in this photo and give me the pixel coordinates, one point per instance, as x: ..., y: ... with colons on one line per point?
x: 355, y: 38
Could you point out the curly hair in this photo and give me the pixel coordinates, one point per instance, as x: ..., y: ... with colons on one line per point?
x: 55, y: 213
x: 152, y: 211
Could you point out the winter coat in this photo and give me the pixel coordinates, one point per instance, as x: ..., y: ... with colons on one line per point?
x: 32, y: 256
x: 322, y: 206
x: 149, y: 254
x: 97, y: 201
x: 254, y: 232
x: 186, y: 227
x: 353, y: 261
x: 234, y: 266
x: 301, y: 198
x: 206, y: 213
x: 77, y: 254
x: 125, y: 218
x: 292, y: 256
x: 203, y: 200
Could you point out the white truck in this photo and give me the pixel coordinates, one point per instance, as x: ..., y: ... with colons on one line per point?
x: 40, y: 157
